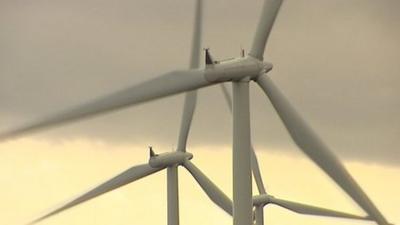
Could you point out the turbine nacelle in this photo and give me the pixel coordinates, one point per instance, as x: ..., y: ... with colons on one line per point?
x: 234, y: 69
x: 168, y: 159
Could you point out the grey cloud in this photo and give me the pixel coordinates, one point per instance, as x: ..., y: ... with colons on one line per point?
x: 337, y: 61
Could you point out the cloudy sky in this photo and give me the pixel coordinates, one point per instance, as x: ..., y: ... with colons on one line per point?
x: 337, y: 61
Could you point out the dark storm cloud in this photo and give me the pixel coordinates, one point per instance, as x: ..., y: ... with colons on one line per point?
x: 337, y: 61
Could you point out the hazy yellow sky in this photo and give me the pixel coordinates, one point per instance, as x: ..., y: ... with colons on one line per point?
x: 36, y: 175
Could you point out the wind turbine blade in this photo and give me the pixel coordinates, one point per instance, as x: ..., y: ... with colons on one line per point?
x: 212, y: 191
x: 168, y: 84
x: 126, y: 177
x: 313, y: 210
x: 255, y: 167
x: 227, y: 96
x: 197, y: 35
x: 268, y: 15
x: 187, y: 117
x: 308, y: 141
x: 191, y: 97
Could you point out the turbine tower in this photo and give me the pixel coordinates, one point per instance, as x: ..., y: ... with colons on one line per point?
x: 240, y: 72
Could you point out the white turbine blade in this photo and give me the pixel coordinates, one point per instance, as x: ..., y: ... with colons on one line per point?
x: 308, y: 141
x: 212, y: 191
x: 269, y: 12
x: 197, y: 35
x: 255, y: 167
x: 227, y: 96
x: 126, y: 177
x: 256, y: 172
x: 191, y: 97
x: 168, y: 84
x: 313, y: 210
x: 187, y: 117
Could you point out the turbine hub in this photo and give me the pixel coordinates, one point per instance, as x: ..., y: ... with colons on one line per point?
x: 267, y: 66
x: 261, y: 199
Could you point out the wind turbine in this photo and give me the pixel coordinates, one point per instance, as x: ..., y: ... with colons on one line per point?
x: 240, y: 71
x: 172, y: 160
x: 263, y: 199
x: 156, y: 163
x: 169, y: 161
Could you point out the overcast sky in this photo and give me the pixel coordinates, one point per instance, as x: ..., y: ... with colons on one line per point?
x: 337, y: 61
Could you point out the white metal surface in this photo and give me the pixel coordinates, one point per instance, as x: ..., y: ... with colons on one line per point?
x: 259, y: 214
x: 212, y: 191
x: 309, y: 142
x: 191, y: 97
x: 172, y: 195
x: 168, y: 84
x: 132, y: 174
x: 242, y: 186
x: 254, y: 161
x: 268, y: 15
x: 169, y: 159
